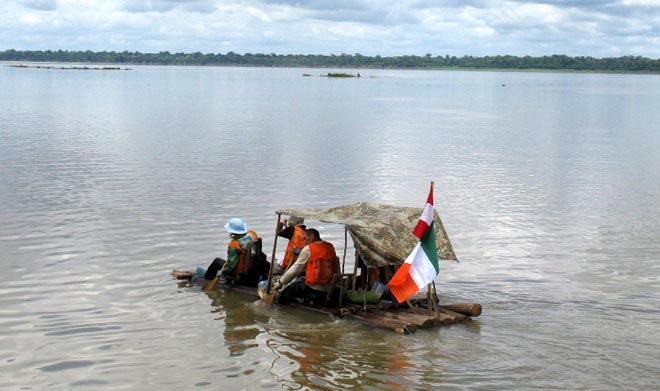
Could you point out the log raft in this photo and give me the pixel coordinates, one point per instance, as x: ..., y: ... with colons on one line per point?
x: 402, y: 320
x: 413, y: 318
x: 386, y: 314
x: 467, y: 309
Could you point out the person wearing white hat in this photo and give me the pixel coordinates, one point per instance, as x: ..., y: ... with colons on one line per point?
x: 241, y: 237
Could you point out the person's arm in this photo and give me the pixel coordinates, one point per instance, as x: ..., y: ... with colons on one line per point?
x: 286, y: 232
x: 233, y: 255
x: 297, y: 267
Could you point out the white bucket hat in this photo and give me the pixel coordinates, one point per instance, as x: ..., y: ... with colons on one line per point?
x: 236, y: 226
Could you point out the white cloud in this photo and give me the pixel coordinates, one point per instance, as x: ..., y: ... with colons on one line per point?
x: 645, y: 3
x: 370, y: 27
x: 30, y: 19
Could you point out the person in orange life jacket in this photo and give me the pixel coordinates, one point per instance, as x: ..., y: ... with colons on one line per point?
x: 235, y: 263
x: 294, y: 230
x: 319, y: 262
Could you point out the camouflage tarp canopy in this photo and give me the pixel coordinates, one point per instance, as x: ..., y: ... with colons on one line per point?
x: 382, y: 234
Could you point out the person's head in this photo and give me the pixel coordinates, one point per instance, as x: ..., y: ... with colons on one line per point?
x: 311, y: 235
x: 293, y: 220
x: 236, y: 226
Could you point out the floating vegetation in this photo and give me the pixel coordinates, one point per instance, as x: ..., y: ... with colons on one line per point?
x: 341, y: 74
x: 335, y: 74
x: 84, y: 68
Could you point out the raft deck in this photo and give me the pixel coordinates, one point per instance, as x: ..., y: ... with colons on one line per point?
x: 386, y: 314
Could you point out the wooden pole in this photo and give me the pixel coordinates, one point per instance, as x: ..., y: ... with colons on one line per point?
x: 467, y: 309
x: 357, y: 256
x: 272, y: 258
x: 428, y: 298
x: 435, y: 302
x: 459, y: 317
x: 343, y: 264
x: 343, y: 268
x: 432, y: 298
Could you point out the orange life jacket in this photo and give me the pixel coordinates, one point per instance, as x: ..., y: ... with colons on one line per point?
x: 322, y: 265
x: 296, y: 241
x: 236, y: 243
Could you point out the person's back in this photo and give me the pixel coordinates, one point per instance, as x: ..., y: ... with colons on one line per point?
x: 235, y: 269
x: 318, y: 261
x: 296, y: 243
x: 323, y: 264
x: 237, y: 253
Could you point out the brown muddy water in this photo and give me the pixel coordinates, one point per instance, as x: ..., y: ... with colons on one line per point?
x: 548, y: 184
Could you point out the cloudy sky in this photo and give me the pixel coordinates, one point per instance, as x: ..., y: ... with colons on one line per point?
x: 599, y: 28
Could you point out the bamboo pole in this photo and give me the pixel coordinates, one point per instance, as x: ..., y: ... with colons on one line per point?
x: 343, y: 268
x: 272, y: 258
x: 343, y: 264
x: 431, y: 294
x: 432, y: 304
x: 435, y: 302
x: 428, y: 299
x: 357, y: 256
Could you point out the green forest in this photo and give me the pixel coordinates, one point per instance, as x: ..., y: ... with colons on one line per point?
x: 428, y: 61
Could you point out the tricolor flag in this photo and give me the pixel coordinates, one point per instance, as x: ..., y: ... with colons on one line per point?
x: 421, y: 266
x: 426, y: 219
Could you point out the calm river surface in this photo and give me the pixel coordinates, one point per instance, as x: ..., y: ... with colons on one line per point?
x: 548, y: 185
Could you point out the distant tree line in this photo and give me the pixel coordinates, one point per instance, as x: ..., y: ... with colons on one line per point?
x: 553, y: 62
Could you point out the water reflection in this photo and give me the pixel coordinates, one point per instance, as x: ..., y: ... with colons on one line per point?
x: 240, y: 321
x: 308, y: 349
x: 338, y: 354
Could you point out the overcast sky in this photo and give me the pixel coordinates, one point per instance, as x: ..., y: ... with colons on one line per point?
x: 600, y: 28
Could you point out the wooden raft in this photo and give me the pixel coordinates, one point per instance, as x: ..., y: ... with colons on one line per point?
x: 386, y: 314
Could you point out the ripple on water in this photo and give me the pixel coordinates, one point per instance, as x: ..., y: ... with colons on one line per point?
x: 65, y: 365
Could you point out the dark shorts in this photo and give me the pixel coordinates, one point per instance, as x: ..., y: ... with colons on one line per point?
x: 214, y: 268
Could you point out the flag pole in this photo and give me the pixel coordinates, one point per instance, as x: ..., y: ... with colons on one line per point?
x: 432, y: 304
x: 429, y: 307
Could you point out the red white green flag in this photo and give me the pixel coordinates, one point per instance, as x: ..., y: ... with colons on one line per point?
x: 426, y: 219
x: 421, y: 266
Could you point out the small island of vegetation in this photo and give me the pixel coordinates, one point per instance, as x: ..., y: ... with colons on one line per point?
x: 555, y: 62
x: 84, y: 68
x: 341, y: 74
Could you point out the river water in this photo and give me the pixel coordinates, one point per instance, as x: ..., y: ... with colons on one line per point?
x: 548, y: 185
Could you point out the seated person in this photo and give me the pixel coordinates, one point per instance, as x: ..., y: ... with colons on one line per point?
x: 234, y: 267
x: 294, y: 230
x: 318, y: 262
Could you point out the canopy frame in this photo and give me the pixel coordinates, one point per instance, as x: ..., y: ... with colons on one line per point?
x: 382, y: 234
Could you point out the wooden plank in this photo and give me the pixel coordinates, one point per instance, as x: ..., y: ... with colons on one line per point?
x: 421, y: 321
x: 467, y: 309
x: 390, y: 324
x: 459, y: 317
